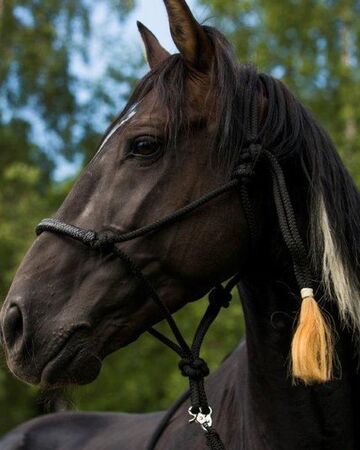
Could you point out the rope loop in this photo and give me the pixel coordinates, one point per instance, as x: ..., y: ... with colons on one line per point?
x: 220, y: 296
x: 195, y: 369
x: 104, y: 241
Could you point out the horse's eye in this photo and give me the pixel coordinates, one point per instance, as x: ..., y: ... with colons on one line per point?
x: 145, y: 146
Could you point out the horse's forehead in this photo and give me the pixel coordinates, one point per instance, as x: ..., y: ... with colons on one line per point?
x: 149, y: 110
x: 197, y: 91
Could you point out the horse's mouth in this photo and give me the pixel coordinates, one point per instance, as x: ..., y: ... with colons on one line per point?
x: 70, y: 367
x: 73, y: 363
x: 73, y: 358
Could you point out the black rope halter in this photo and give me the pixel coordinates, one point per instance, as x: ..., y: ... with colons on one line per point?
x: 191, y: 364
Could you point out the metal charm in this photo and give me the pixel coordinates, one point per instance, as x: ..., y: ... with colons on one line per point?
x: 205, y: 420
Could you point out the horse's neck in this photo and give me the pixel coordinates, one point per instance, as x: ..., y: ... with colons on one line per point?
x: 256, y: 405
x: 289, y: 416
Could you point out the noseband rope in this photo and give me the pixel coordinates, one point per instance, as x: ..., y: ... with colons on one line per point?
x: 311, y: 348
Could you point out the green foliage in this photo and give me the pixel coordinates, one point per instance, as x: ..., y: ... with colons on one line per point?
x: 40, y: 43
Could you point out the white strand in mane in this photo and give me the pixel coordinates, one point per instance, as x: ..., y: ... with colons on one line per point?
x: 336, y: 276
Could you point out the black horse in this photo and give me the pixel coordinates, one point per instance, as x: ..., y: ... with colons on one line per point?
x: 182, y: 134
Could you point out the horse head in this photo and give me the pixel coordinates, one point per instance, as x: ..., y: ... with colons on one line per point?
x: 69, y: 306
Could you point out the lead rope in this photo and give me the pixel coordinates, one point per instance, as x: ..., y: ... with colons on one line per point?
x: 191, y: 365
x: 195, y: 369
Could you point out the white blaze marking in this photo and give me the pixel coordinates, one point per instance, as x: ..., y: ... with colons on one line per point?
x: 129, y: 116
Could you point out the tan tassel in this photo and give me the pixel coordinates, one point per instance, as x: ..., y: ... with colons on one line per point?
x: 312, y: 348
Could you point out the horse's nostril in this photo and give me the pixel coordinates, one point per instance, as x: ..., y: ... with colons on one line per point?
x: 13, y: 326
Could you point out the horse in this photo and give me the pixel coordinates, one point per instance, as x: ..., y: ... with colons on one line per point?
x: 291, y: 221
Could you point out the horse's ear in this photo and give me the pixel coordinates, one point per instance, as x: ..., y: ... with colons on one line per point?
x: 189, y: 36
x: 155, y: 53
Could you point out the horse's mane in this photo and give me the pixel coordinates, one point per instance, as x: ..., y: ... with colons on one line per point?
x: 288, y: 131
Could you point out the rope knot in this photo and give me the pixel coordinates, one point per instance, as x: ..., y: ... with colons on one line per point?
x: 255, y: 150
x: 220, y: 296
x: 248, y: 158
x: 104, y: 241
x: 195, y: 369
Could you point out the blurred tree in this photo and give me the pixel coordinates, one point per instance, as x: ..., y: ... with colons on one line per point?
x: 40, y: 43
x: 314, y: 46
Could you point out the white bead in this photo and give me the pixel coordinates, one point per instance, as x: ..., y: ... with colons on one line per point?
x: 306, y: 293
